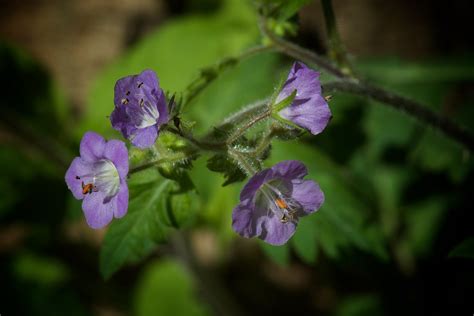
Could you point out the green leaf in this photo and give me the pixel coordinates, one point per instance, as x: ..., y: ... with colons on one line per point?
x: 464, y: 249
x: 285, y: 102
x: 223, y: 164
x: 166, y: 288
x: 155, y: 207
x: 304, y: 242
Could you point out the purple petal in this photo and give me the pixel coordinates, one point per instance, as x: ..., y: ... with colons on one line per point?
x: 308, y: 194
x: 289, y: 170
x: 313, y: 114
x: 116, y: 151
x: 92, y: 147
x: 247, y: 220
x: 98, y: 214
x: 119, y: 119
x: 253, y: 185
x: 304, y: 80
x: 145, y: 137
x: 78, y: 167
x: 277, y: 233
x: 122, y: 201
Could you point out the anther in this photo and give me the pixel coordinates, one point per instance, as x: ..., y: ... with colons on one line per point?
x: 124, y: 101
x: 140, y: 85
x: 127, y: 93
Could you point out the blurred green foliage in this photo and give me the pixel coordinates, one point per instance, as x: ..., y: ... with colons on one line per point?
x: 167, y: 288
x: 391, y: 185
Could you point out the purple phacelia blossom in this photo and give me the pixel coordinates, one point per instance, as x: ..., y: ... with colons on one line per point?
x: 140, y: 108
x: 273, y: 200
x: 309, y: 109
x: 98, y: 178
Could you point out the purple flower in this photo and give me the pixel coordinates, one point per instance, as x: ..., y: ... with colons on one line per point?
x: 273, y: 200
x: 98, y: 177
x: 140, y: 108
x: 309, y: 108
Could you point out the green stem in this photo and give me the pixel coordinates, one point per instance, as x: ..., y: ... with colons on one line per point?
x: 336, y: 49
x: 299, y: 53
x: 242, y: 129
x: 210, y: 73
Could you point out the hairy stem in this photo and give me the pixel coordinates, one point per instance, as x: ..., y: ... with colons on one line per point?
x: 246, y: 126
x: 408, y: 106
x: 170, y: 159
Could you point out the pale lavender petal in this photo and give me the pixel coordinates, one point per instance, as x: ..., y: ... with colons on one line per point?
x: 116, y: 151
x: 309, y: 109
x: 253, y: 184
x: 98, y: 214
x: 277, y: 233
x: 308, y: 194
x: 78, y: 167
x: 92, y: 147
x: 145, y: 137
x: 122, y: 201
x: 304, y: 80
x: 289, y: 169
x: 313, y: 114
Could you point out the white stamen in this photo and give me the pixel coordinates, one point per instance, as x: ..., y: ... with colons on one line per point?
x: 149, y: 114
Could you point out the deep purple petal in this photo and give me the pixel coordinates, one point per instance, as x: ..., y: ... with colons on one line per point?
x: 122, y: 201
x: 289, y: 170
x: 253, y: 184
x: 308, y: 194
x: 277, y: 233
x: 98, y: 214
x: 247, y: 220
x: 124, y: 88
x: 145, y: 137
x: 78, y: 167
x: 92, y: 147
x: 313, y: 114
x: 116, y: 151
x: 162, y: 107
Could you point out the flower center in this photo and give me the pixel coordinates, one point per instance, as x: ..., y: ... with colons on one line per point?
x: 275, y: 197
x: 104, y: 177
x: 148, y: 114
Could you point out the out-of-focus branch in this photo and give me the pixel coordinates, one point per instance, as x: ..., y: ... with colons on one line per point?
x: 337, y: 50
x: 408, y: 106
